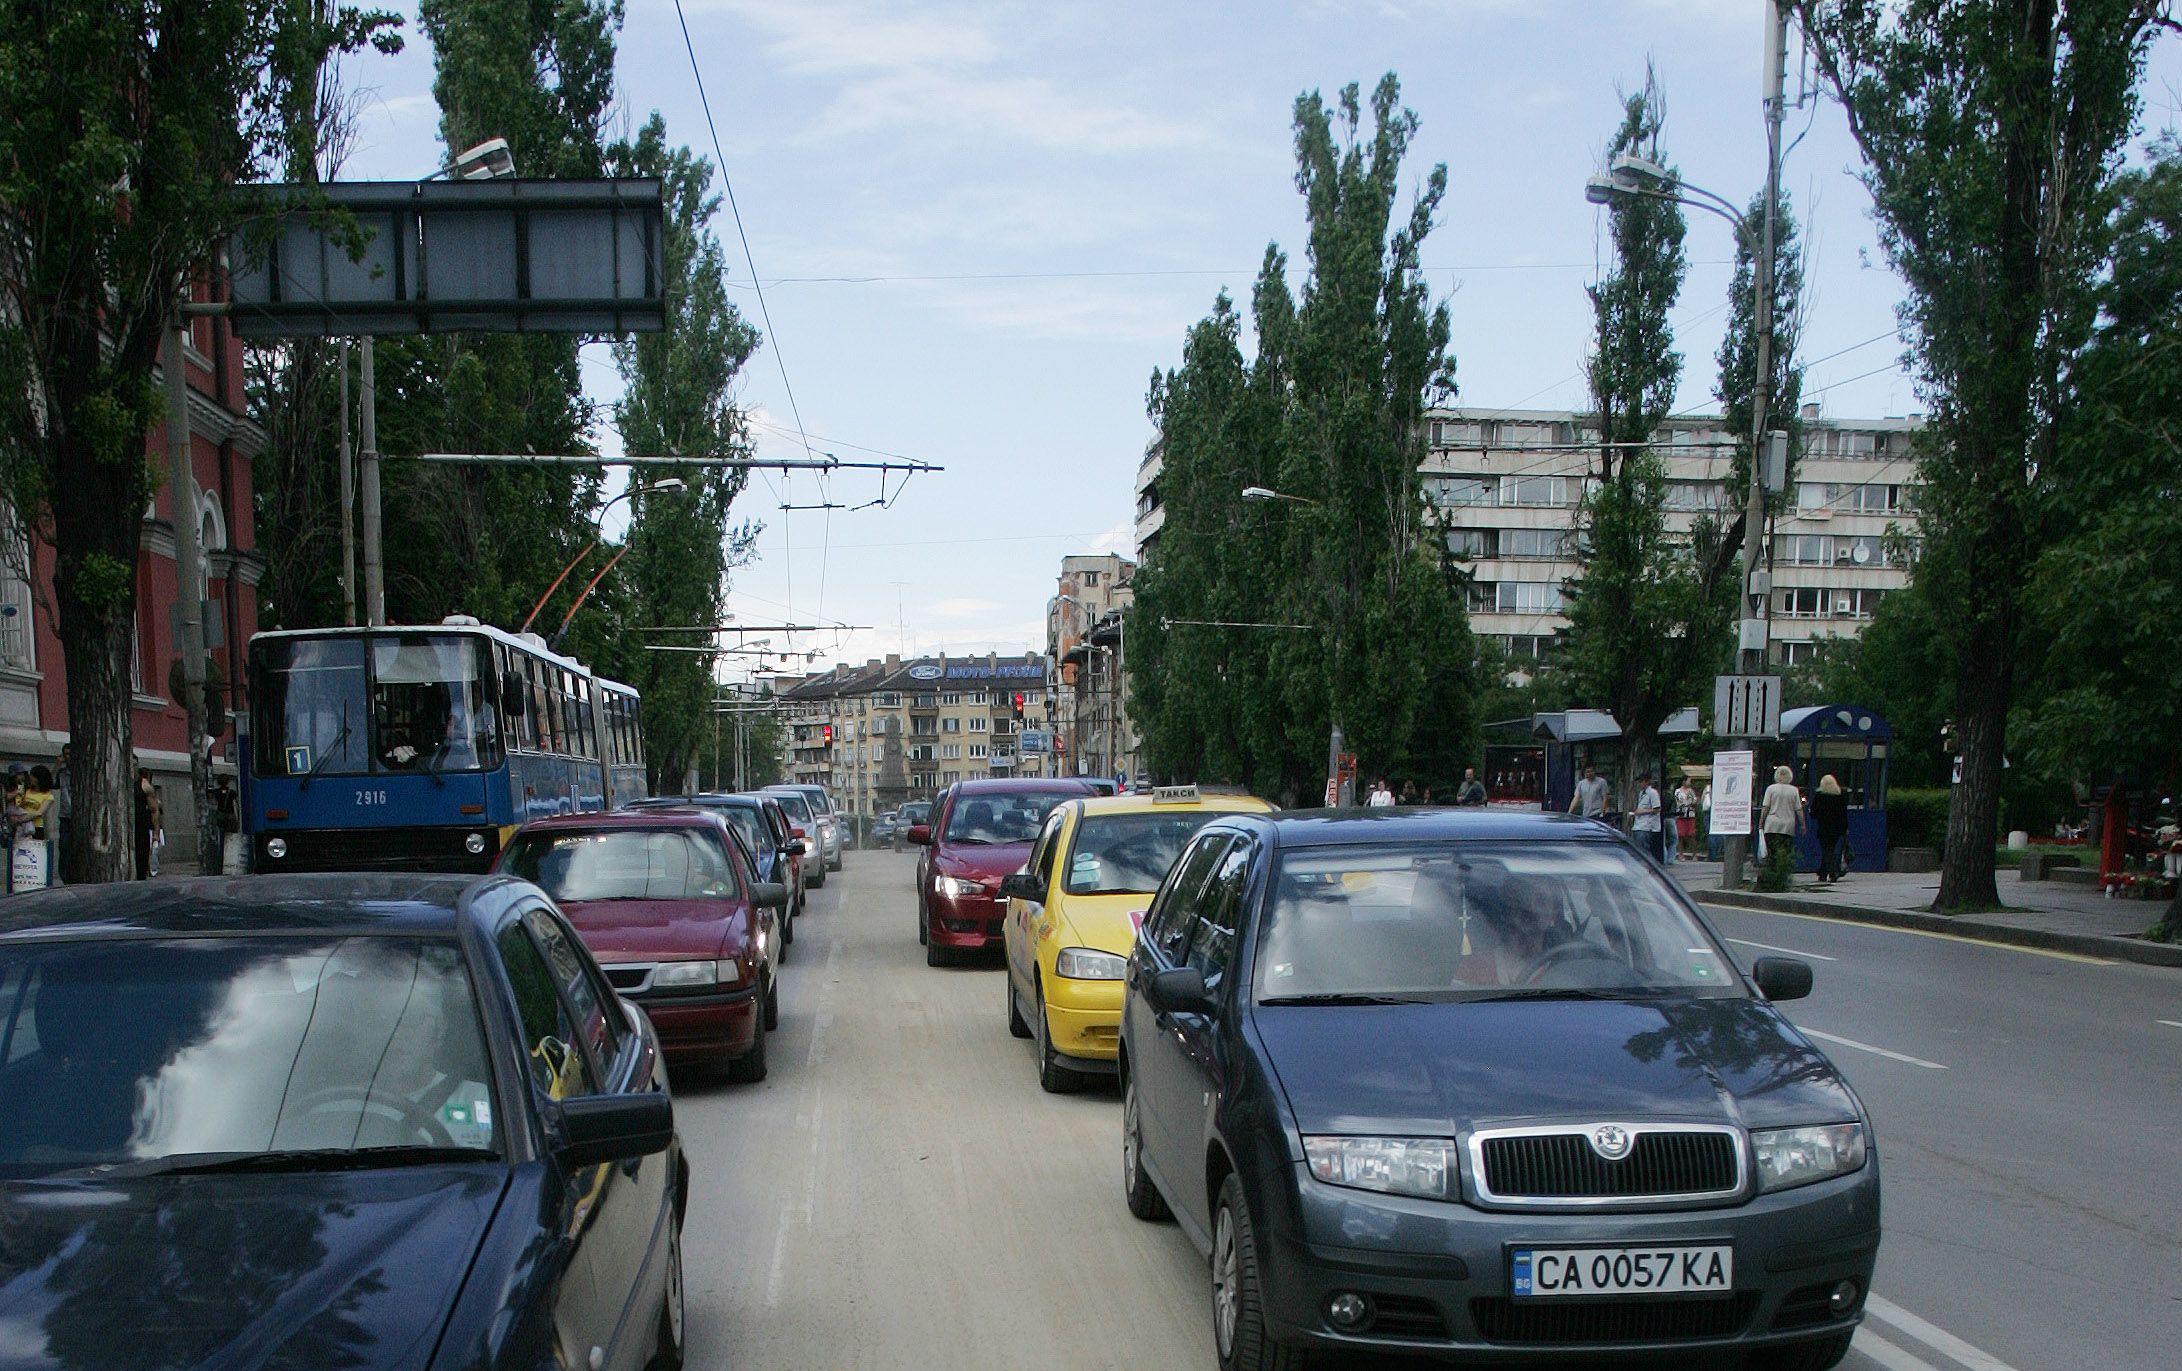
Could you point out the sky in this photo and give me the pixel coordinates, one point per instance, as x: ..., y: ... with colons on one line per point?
x: 979, y: 227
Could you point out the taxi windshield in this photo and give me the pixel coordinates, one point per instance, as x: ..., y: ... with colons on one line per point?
x: 1467, y: 921
x: 1116, y: 854
x: 1002, y: 818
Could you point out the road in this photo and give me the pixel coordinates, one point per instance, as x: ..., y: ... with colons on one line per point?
x: 900, y: 1193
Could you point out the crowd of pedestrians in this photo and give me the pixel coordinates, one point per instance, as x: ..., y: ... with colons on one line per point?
x: 38, y: 809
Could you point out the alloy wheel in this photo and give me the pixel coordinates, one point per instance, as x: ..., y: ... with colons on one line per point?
x: 1226, y: 1288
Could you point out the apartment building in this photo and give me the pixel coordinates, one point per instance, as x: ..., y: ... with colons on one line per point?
x: 1084, y: 637
x: 1508, y: 483
x: 891, y: 730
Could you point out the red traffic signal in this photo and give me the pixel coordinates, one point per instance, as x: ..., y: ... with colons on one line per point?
x: 1018, y: 704
x: 827, y: 733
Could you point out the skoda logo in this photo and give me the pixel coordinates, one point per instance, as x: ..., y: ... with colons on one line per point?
x: 1611, y: 1141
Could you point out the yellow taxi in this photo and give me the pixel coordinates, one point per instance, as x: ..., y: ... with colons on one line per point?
x: 1073, y: 915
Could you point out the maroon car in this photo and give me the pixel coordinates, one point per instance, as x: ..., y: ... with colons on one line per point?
x: 666, y: 900
x: 980, y: 832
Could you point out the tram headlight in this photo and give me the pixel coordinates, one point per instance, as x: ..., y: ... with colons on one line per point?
x: 276, y: 848
x: 475, y: 844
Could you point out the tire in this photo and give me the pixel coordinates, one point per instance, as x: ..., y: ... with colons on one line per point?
x: 672, y: 1309
x: 772, y: 1004
x: 935, y: 955
x: 1239, y: 1335
x: 1017, y: 1028
x: 1145, y: 1201
x: 818, y: 882
x: 1815, y: 1355
x: 924, y: 926
x: 749, y: 1068
x: 1053, y: 1078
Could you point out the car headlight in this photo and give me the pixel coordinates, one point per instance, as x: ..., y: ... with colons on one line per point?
x: 1395, y: 1166
x: 1798, y: 1156
x: 1088, y: 964
x: 956, y: 887
x: 674, y: 975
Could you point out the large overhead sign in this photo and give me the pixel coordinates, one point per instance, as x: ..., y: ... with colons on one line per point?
x: 505, y: 256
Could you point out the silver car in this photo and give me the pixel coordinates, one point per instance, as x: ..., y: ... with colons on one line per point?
x: 829, y: 819
x: 817, y: 828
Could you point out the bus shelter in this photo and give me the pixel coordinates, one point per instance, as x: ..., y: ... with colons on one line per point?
x: 1850, y: 744
x: 1577, y: 738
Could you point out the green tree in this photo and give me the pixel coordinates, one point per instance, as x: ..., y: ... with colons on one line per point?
x: 1648, y: 613
x: 124, y: 129
x: 1991, y: 132
x: 679, y: 399
x: 1738, y: 358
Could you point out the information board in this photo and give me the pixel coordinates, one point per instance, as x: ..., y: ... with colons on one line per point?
x: 1733, y: 775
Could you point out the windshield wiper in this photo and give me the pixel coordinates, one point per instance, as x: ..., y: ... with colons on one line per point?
x: 1342, y: 997
x: 299, y: 1159
x: 340, y: 742
x: 1547, y: 992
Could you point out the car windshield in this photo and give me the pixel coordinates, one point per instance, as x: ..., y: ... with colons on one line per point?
x: 1464, y: 921
x: 151, y: 1053
x: 999, y: 818
x: 1118, y: 853
x: 624, y: 864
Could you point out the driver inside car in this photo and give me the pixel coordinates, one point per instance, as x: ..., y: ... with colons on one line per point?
x: 1521, y: 922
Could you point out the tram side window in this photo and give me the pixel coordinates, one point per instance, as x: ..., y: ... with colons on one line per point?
x: 541, y: 695
x: 584, y: 717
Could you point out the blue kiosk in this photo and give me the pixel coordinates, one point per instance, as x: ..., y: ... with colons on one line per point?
x: 1852, y: 743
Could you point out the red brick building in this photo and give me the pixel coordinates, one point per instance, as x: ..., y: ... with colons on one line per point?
x: 33, y: 680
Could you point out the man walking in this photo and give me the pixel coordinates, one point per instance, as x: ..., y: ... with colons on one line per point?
x: 1472, y: 793
x: 1590, y: 797
x: 1647, y: 820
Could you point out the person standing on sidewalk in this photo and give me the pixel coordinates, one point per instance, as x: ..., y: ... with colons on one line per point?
x: 1780, y: 819
x: 1830, y: 816
x: 64, y: 815
x: 1472, y: 793
x: 1647, y: 824
x: 146, y: 820
x: 1590, y: 797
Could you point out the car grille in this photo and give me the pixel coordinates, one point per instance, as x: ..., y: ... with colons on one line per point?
x: 436, y: 848
x: 1569, y: 1322
x: 1406, y: 1316
x: 1563, y: 1166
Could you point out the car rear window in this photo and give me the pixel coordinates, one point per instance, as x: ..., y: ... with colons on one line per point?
x: 624, y: 864
x: 1003, y: 817
x: 1128, y: 853
x: 160, y: 1051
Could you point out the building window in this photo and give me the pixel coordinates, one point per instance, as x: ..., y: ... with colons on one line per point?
x: 951, y: 752
x: 950, y: 777
x: 1528, y: 597
x: 1453, y: 491
x: 927, y: 700
x: 977, y: 697
x: 1693, y: 495
x: 1793, y: 653
x: 1806, y: 602
x: 950, y: 724
x: 18, y: 643
x: 889, y: 700
x: 1481, y: 597
x: 1535, y: 491
x: 1857, y: 604
x: 977, y: 723
x: 1803, y: 549
x: 951, y: 698
x: 1090, y: 578
x: 1528, y: 647
x: 1469, y: 544
x: 977, y: 750
x: 1533, y: 544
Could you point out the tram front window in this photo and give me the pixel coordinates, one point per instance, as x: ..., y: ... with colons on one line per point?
x: 432, y: 704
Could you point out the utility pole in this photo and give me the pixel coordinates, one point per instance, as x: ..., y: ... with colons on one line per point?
x: 1752, y: 632
x: 348, y: 500
x: 374, y: 556
x: 189, y: 599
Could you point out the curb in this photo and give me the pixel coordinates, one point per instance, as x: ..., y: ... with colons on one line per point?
x: 1962, y: 926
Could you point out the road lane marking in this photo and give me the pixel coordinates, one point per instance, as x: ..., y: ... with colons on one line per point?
x: 1933, y: 1336
x: 1814, y: 956
x: 1919, y: 933
x: 1876, y: 1051
x: 2171, y: 1023
x: 1887, y: 1354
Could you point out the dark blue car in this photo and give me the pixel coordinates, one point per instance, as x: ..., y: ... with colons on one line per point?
x: 328, y: 1121
x: 1484, y: 1086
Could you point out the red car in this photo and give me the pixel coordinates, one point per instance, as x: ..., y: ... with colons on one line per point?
x: 980, y: 832
x: 667, y: 903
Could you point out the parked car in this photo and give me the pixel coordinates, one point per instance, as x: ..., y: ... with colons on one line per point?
x: 981, y: 831
x: 670, y: 905
x: 909, y: 816
x: 830, y: 819
x: 1072, y: 916
x: 882, y: 828
x: 765, y: 831
x: 1484, y: 1084
x: 817, y: 861
x: 368, y: 1121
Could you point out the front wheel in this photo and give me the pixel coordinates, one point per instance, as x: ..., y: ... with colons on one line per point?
x: 667, y: 1356
x: 1239, y: 1333
x: 772, y: 1003
x: 1053, y: 1078
x: 749, y: 1068
x: 1145, y: 1201
x: 1816, y: 1355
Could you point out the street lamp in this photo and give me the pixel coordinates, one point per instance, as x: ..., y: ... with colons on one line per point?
x: 670, y: 483
x: 488, y: 161
x: 1263, y: 495
x: 1260, y: 495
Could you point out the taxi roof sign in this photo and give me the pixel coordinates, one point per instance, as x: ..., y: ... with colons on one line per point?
x: 1174, y: 795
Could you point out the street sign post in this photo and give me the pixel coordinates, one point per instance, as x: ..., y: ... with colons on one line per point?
x: 1732, y: 779
x: 1746, y: 706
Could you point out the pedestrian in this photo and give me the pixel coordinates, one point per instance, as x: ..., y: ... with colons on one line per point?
x: 1830, y: 817
x: 1380, y: 797
x: 146, y: 803
x: 1781, y: 819
x: 1685, y: 817
x: 1409, y: 792
x: 1590, y: 798
x: 1670, y: 832
x: 1472, y: 795
x: 64, y: 813
x: 1647, y: 825
x: 1704, y: 815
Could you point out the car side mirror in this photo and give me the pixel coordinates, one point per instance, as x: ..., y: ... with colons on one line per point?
x: 1179, y: 991
x: 596, y: 1129
x: 920, y: 834
x: 1781, y: 978
x: 769, y: 895
x: 1022, y: 885
x: 796, y: 847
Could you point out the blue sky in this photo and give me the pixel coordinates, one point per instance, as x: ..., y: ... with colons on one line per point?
x: 1036, y: 200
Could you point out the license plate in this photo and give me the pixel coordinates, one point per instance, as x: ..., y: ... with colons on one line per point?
x: 1542, y: 1271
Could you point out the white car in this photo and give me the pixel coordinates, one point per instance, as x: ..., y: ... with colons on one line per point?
x: 829, y: 819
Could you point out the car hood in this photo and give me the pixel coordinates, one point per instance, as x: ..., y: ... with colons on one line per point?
x: 1440, y: 1069
x: 351, y: 1269
x: 986, y: 862
x: 1106, y: 922
x: 652, y: 930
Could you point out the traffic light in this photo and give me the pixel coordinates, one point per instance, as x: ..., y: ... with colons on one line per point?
x: 1018, y: 702
x: 826, y: 733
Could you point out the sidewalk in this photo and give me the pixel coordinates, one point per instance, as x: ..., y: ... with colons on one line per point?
x: 2040, y: 914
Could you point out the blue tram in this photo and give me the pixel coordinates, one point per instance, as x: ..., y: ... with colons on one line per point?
x: 422, y: 748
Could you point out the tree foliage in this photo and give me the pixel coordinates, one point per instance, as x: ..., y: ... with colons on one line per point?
x: 1991, y: 132
x: 1329, y: 410
x: 124, y: 129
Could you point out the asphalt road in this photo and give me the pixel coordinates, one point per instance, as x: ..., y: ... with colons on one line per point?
x: 901, y: 1194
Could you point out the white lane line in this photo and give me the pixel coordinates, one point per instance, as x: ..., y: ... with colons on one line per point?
x: 2171, y: 1023
x: 1934, y: 1337
x: 1887, y: 1354
x: 1793, y: 952
x: 1876, y: 1051
x: 1917, y: 933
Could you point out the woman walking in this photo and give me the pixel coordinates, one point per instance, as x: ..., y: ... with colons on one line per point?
x: 1830, y: 815
x: 147, y: 819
